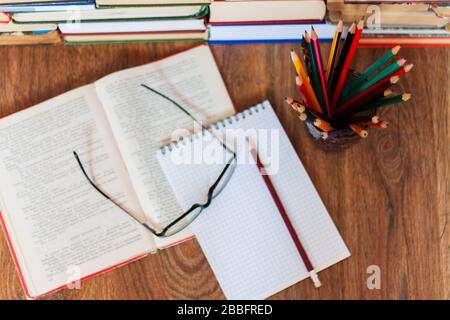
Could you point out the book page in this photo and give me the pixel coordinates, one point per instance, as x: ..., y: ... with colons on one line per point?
x: 60, y: 227
x: 142, y: 121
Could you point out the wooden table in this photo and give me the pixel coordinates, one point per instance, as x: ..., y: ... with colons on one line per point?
x: 388, y: 194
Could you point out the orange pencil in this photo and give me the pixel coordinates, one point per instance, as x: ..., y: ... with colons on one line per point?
x: 358, y: 130
x: 301, y: 72
x: 323, y: 125
x: 302, y: 88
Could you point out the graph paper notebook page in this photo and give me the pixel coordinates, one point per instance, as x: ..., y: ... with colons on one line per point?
x: 242, y: 233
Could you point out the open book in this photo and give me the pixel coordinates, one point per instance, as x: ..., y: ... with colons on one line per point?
x: 58, y: 227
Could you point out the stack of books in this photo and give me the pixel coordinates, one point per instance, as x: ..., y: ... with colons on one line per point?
x: 220, y: 21
x: 12, y: 33
x: 412, y: 23
x: 116, y: 20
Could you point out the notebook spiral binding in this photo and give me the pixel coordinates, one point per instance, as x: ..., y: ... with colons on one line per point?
x: 219, y: 125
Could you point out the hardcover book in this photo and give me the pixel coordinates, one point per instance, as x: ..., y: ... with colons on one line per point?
x: 53, y: 219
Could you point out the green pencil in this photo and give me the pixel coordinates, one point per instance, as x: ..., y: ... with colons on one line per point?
x: 387, y: 101
x: 369, y: 71
x: 381, y: 75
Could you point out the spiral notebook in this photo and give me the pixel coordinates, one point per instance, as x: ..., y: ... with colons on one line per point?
x: 242, y: 233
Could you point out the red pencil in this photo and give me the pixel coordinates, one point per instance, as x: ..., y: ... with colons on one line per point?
x: 302, y: 90
x: 319, y: 63
x: 304, y: 94
x: 348, y: 61
x: 279, y: 204
x: 402, y: 71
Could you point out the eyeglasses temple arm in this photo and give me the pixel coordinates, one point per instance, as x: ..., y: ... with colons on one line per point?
x: 186, y: 112
x: 108, y: 197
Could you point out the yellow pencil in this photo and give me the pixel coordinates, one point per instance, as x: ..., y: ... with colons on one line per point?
x: 334, y: 49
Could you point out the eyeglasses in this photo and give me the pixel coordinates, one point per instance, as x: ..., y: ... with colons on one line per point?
x: 194, y: 211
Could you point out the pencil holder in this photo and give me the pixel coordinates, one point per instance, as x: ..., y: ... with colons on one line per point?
x: 337, y: 104
x: 337, y: 140
x: 341, y: 138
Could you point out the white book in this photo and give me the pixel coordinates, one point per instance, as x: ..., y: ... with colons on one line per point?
x: 268, y: 32
x: 132, y: 26
x: 242, y: 232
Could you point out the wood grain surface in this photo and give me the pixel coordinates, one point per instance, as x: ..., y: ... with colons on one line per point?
x: 388, y: 194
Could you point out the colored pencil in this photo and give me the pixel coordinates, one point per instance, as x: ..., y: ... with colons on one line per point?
x: 306, y: 57
x: 315, y: 75
x: 279, y: 204
x: 340, y: 62
x: 365, y: 119
x: 302, y: 89
x: 301, y: 72
x: 336, y: 133
x: 329, y: 101
x: 380, y: 124
x: 387, y: 101
x: 347, y: 63
x: 387, y: 92
x: 320, y: 69
x: 323, y: 125
x: 371, y: 70
x: 364, y: 96
x: 296, y: 105
x: 302, y: 116
x: 314, y: 118
x: 358, y: 130
x: 317, y: 121
x: 403, y: 70
x: 333, y: 51
x: 381, y: 75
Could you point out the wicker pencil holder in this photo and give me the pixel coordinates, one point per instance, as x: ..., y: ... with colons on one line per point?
x: 337, y: 140
x: 341, y: 138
